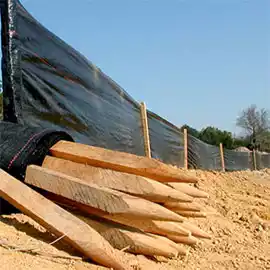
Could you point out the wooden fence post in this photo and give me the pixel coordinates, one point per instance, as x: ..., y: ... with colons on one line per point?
x: 222, y: 157
x: 254, y: 160
x: 146, y: 137
x: 185, y: 149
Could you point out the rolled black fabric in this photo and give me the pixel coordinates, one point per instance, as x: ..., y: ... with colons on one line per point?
x: 21, y: 146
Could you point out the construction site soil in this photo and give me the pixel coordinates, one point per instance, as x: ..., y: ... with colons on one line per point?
x: 238, y: 220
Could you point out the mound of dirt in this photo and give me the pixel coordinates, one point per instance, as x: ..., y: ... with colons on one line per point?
x: 242, y: 149
x: 238, y: 219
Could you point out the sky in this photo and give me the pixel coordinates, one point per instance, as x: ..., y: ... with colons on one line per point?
x: 195, y: 62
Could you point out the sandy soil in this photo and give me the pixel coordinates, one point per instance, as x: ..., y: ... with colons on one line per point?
x: 238, y: 219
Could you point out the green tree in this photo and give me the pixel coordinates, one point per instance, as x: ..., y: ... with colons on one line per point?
x: 263, y: 141
x: 215, y: 136
x: 191, y: 131
x: 256, y: 125
x: 241, y: 141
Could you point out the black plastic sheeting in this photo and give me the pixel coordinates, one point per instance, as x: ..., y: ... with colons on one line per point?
x: 21, y: 146
x: 49, y: 84
x: 202, y: 155
x: 237, y: 161
x: 262, y: 161
x: 166, y: 140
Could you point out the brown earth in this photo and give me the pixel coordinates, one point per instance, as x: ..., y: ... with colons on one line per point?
x: 238, y: 219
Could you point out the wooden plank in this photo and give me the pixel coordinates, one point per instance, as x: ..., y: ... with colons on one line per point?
x: 146, y: 225
x: 183, y: 206
x: 131, y: 240
x: 195, y: 230
x: 181, y: 250
x: 189, y: 190
x: 222, y: 157
x: 187, y: 240
x: 146, y: 137
x: 190, y: 214
x: 60, y: 222
x: 132, y: 184
x: 104, y: 199
x: 185, y: 149
x: 120, y: 161
x: 150, y: 226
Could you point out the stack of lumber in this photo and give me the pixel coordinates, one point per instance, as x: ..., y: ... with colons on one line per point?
x: 102, y: 201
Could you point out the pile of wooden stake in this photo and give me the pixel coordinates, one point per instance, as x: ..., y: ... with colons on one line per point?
x: 102, y: 201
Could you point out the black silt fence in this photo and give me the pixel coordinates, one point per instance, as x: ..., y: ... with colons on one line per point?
x: 237, y: 161
x: 166, y: 140
x: 202, y: 155
x: 262, y: 161
x: 49, y: 85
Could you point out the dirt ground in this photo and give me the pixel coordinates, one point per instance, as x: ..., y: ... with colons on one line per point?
x: 238, y: 219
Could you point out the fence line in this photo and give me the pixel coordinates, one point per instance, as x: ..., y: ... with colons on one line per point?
x: 90, y: 106
x: 194, y: 153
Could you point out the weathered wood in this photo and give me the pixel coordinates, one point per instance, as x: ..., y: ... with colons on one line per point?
x: 195, y: 230
x: 120, y: 161
x: 146, y: 225
x: 183, y: 206
x: 131, y: 240
x: 222, y: 157
x: 58, y: 221
x: 164, y: 228
x: 181, y: 250
x: 104, y: 199
x: 150, y: 226
x: 129, y: 183
x: 190, y: 214
x: 185, y: 149
x: 146, y: 137
x: 189, y: 190
x: 187, y: 240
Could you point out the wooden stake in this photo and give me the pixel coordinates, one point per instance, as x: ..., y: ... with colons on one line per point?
x: 222, y: 157
x: 195, y: 230
x: 190, y: 214
x: 189, y: 190
x: 181, y: 250
x: 185, y: 149
x: 145, y: 225
x: 120, y: 161
x: 183, y: 206
x: 103, y: 199
x: 144, y: 120
x: 188, y: 240
x: 132, y: 184
x: 131, y: 240
x: 151, y: 226
x: 59, y: 222
x: 254, y: 160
